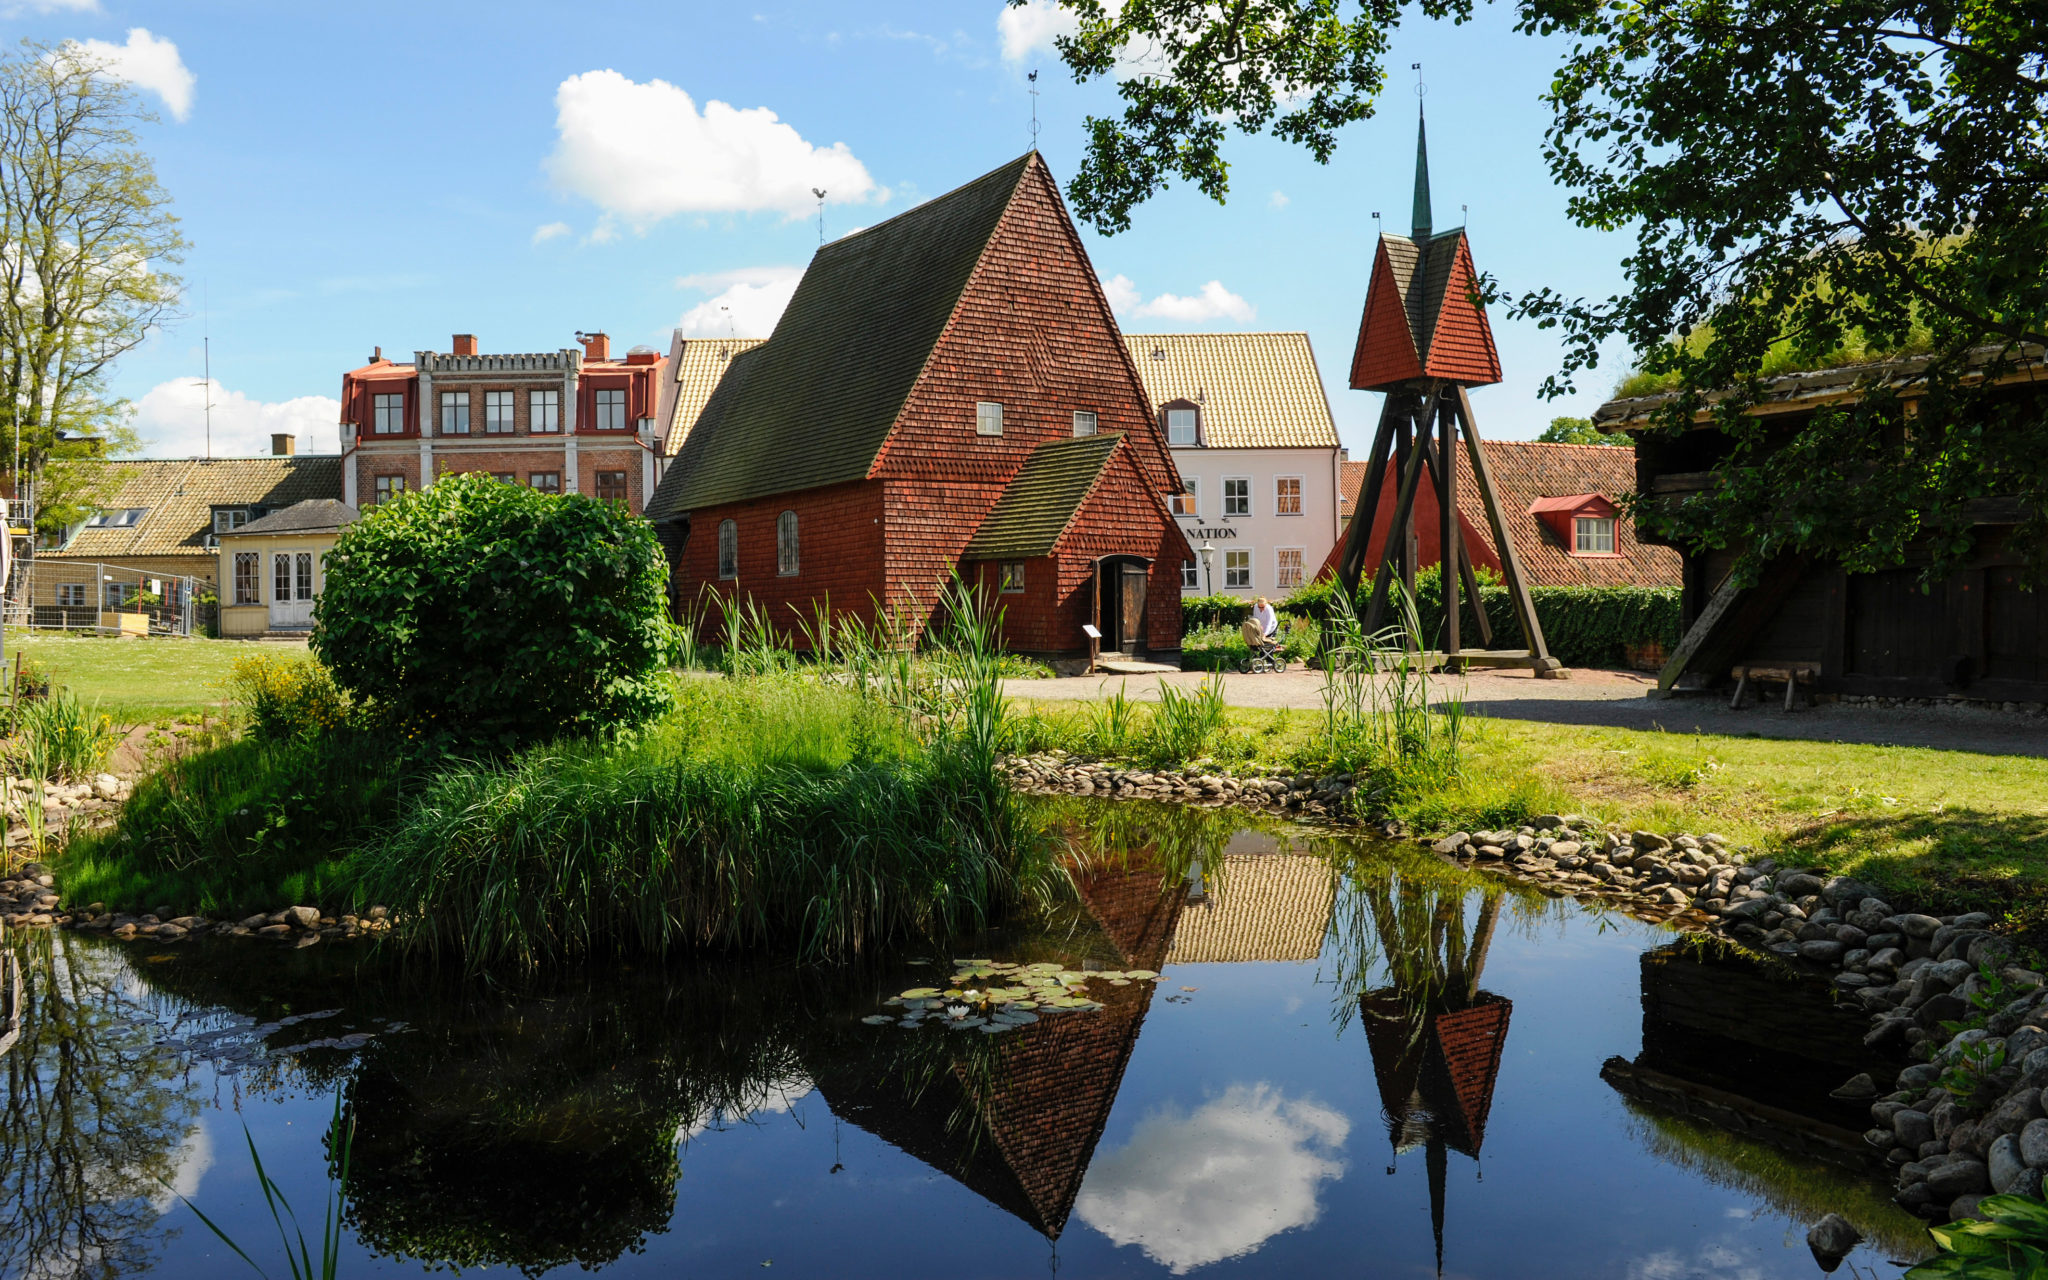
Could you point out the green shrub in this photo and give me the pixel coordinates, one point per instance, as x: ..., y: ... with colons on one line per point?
x: 496, y: 613
x: 286, y: 697
x: 1223, y: 648
x: 1583, y: 626
x: 1199, y: 612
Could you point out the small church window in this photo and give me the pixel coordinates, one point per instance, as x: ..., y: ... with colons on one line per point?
x: 1594, y: 535
x: 785, y: 545
x: 1084, y: 423
x: 728, y: 550
x: 1012, y: 579
x: 988, y: 419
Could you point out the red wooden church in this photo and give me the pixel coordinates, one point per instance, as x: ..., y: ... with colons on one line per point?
x: 946, y: 390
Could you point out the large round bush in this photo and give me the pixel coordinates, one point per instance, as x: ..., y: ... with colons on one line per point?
x: 491, y: 611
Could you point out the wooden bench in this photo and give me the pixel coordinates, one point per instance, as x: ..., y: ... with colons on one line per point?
x: 1793, y: 674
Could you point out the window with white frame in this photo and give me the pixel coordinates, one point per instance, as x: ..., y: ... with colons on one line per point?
x: 1286, y: 495
x: 1593, y: 535
x: 1012, y: 577
x: 230, y: 518
x: 248, y: 578
x: 118, y: 594
x: 1237, y: 570
x: 785, y: 545
x: 455, y: 413
x: 545, y: 481
x: 988, y: 418
x: 543, y: 412
x: 389, y: 487
x: 1189, y: 503
x: 281, y: 578
x: 72, y: 595
x: 728, y: 550
x: 1287, y: 567
x: 387, y: 415
x: 611, y: 409
x: 1237, y: 495
x: 1085, y: 423
x: 1190, y: 576
x: 1181, y: 428
x: 498, y: 413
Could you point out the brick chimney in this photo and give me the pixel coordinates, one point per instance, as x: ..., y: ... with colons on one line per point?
x: 465, y: 345
x: 596, y: 346
x: 283, y: 446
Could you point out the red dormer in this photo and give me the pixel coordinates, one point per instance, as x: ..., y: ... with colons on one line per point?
x: 1585, y: 523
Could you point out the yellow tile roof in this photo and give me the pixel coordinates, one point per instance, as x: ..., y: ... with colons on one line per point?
x: 699, y: 364
x: 177, y: 496
x: 1260, y: 906
x: 1257, y: 390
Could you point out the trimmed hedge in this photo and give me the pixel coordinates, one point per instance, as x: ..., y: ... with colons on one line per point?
x: 1201, y: 613
x: 1584, y: 626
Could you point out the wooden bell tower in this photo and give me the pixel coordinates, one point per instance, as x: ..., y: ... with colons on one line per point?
x: 1424, y: 342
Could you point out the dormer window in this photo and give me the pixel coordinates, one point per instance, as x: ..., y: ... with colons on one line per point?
x: 988, y: 418
x: 1587, y: 524
x: 228, y: 519
x: 1593, y: 535
x: 1183, y: 428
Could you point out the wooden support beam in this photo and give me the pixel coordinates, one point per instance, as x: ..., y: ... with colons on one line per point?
x: 1732, y: 615
x: 1447, y: 525
x: 1510, y: 563
x: 1364, y: 515
x: 1404, y: 518
x: 1465, y: 572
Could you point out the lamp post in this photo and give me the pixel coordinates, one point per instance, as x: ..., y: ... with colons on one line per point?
x: 1209, y: 566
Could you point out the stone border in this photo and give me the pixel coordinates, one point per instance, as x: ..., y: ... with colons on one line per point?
x: 29, y: 899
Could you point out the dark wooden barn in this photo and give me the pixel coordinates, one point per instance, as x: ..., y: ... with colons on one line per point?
x: 1977, y: 635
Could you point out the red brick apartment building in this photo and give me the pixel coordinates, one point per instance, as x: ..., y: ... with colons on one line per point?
x: 946, y: 389
x: 567, y: 421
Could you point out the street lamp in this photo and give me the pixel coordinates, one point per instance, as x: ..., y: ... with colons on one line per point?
x: 1209, y: 566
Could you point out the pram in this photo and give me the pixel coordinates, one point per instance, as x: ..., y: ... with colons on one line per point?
x: 1262, y: 652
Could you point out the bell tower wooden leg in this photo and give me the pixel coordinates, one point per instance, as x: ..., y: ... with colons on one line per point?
x: 1364, y: 516
x: 1447, y: 503
x: 1510, y: 563
x: 1404, y: 519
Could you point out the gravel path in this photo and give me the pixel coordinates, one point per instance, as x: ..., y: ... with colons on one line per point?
x: 1614, y: 699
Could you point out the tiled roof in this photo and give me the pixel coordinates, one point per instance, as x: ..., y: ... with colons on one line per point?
x: 813, y: 405
x: 1350, y: 480
x: 1257, y: 390
x: 314, y: 515
x: 177, y: 496
x: 698, y: 367
x: 1439, y: 1084
x: 1436, y: 331
x: 1041, y: 501
x: 1263, y: 906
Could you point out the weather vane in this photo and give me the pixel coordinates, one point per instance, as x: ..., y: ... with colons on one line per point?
x: 820, y: 193
x: 1033, y: 78
x: 1421, y: 89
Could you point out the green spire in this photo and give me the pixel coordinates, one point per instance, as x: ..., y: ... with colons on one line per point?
x: 1421, y: 217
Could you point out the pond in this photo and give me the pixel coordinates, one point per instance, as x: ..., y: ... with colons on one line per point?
x: 1354, y: 1060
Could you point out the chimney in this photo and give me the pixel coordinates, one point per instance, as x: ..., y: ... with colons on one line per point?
x: 376, y: 354
x: 465, y: 344
x: 596, y: 346
x: 283, y: 446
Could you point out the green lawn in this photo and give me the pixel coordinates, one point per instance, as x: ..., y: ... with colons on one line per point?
x: 139, y: 681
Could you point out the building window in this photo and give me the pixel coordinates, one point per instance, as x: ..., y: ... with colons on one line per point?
x: 728, y: 550
x: 1189, y: 503
x: 611, y: 486
x: 611, y: 409
x: 126, y: 518
x: 118, y: 594
x: 545, y: 481
x: 1594, y: 535
x: 498, y: 413
x: 1181, y: 428
x: 1190, y: 576
x: 1237, y: 570
x: 233, y: 518
x: 387, y: 415
x: 505, y: 477
x: 302, y: 575
x: 71, y: 595
x: 1084, y: 423
x: 281, y: 578
x: 1237, y: 495
x: 248, y: 584
x: 988, y: 418
x: 1287, y: 568
x: 785, y: 544
x: 455, y: 413
x: 1011, y: 578
x: 1287, y: 495
x: 543, y: 412
x: 389, y: 487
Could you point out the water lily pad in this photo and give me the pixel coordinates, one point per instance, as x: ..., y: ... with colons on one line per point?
x: 1019, y: 1019
x: 1119, y: 982
x: 1044, y: 966
x: 877, y: 1019
x: 919, y: 993
x: 994, y: 1028
x: 1021, y: 1005
x: 1142, y: 975
x: 961, y: 1024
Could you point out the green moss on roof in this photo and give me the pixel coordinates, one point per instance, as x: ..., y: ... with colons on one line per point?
x: 1040, y: 503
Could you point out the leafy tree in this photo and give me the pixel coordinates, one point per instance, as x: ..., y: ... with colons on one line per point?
x: 86, y: 240
x: 1810, y: 182
x: 495, y: 613
x: 1579, y: 431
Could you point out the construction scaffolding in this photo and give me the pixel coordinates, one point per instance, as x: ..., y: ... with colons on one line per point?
x: 109, y: 599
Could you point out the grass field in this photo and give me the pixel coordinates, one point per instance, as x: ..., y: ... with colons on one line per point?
x: 139, y: 681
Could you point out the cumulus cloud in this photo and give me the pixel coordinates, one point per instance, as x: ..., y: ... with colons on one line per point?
x: 743, y: 304
x: 549, y: 231
x: 147, y: 62
x: 171, y: 419
x: 1218, y: 1182
x: 1027, y: 28
x: 1214, y: 302
x: 1278, y: 200
x: 644, y: 152
x: 49, y: 6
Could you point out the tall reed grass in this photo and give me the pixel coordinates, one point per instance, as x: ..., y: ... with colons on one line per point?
x: 60, y: 739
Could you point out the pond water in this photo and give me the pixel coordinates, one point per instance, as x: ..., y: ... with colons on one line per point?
x: 1355, y: 1061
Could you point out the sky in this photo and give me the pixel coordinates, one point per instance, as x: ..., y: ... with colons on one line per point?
x: 385, y: 175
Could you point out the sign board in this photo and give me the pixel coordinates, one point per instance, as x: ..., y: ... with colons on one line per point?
x: 1091, y: 632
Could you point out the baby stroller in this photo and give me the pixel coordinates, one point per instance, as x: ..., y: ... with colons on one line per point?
x: 1262, y: 652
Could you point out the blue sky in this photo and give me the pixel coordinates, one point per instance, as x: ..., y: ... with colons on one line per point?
x: 377, y: 174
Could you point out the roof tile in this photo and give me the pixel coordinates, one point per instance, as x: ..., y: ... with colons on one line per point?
x: 1257, y: 390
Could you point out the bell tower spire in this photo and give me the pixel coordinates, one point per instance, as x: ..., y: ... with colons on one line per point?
x: 1421, y: 220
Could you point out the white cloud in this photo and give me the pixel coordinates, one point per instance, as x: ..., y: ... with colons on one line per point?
x: 1030, y: 27
x: 1278, y: 200
x: 147, y: 62
x: 744, y: 303
x: 549, y: 231
x: 1219, y: 1182
x: 171, y: 419
x: 643, y: 152
x: 1214, y: 302
x: 49, y: 6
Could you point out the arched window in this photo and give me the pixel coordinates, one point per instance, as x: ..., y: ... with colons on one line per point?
x: 728, y: 549
x: 785, y: 544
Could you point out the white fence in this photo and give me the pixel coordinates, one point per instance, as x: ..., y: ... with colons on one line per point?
x: 68, y: 595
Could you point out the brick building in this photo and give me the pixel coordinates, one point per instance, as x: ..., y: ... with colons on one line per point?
x: 947, y: 389
x: 567, y: 421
